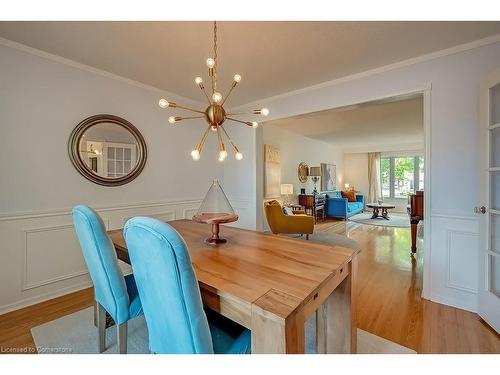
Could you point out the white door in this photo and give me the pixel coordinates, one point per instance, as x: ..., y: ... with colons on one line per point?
x: 489, y: 262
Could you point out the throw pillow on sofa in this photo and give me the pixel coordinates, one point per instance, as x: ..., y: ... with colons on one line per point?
x: 350, y: 195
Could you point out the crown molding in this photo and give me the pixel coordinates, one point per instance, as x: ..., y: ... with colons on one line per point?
x: 367, y: 73
x: 74, y: 64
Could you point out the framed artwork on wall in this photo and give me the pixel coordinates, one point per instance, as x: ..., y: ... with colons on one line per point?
x: 328, y: 177
x: 272, y: 171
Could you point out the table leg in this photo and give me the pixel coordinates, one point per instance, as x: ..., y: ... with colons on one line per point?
x: 385, y: 214
x: 336, y: 318
x: 274, y: 334
x: 413, y: 237
x: 375, y: 213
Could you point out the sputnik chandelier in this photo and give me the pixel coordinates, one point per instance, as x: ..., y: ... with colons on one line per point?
x: 214, y: 114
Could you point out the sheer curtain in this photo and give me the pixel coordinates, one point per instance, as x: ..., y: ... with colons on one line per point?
x: 374, y: 187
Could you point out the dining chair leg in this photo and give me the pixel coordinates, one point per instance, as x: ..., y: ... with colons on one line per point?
x: 121, y: 338
x: 95, y: 313
x: 307, y: 237
x: 101, y: 326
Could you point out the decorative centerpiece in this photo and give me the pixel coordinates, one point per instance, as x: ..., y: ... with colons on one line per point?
x: 215, y: 210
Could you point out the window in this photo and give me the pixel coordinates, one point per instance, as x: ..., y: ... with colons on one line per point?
x: 401, y: 176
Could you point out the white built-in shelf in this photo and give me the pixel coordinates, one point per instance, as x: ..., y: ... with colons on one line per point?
x: 494, y: 126
x: 494, y: 212
x: 494, y: 169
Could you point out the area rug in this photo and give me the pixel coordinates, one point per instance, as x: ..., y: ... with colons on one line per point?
x: 76, y: 334
x: 395, y: 220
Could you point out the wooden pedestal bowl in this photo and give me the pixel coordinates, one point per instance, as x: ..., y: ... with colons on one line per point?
x: 215, y: 219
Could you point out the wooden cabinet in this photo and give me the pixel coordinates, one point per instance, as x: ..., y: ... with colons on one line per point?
x: 314, y: 204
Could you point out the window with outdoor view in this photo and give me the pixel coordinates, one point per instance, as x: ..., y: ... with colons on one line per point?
x: 401, y: 175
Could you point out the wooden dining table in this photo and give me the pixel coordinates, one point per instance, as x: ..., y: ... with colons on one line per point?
x: 272, y: 284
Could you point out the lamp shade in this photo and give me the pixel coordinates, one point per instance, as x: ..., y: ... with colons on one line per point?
x: 315, y: 171
x: 347, y: 186
x: 286, y: 189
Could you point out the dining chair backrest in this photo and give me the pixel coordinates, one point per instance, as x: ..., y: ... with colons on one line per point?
x: 99, y: 254
x: 167, y: 287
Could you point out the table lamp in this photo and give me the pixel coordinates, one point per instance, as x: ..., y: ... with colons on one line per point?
x: 286, y: 190
x: 315, y: 173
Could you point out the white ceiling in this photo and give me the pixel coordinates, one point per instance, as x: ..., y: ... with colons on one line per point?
x: 375, y: 126
x: 272, y: 57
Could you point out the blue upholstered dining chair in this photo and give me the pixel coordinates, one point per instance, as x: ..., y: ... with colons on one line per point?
x: 114, y: 293
x: 171, y: 297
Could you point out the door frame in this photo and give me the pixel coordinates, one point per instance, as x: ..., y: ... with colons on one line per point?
x: 425, y: 90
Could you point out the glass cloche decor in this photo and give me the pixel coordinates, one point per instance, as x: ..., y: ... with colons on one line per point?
x: 215, y: 209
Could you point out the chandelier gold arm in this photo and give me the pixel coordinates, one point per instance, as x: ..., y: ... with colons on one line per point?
x: 229, y: 139
x: 202, y: 88
x: 247, y: 123
x: 262, y: 112
x: 181, y: 118
x: 219, y: 138
x: 189, y: 109
x: 200, y: 145
x: 229, y: 93
x: 239, y: 113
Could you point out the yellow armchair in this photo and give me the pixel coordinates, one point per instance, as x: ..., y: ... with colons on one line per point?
x: 287, y: 224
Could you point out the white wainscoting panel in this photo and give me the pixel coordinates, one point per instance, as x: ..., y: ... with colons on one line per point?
x: 48, y: 251
x: 40, y: 256
x: 454, y: 260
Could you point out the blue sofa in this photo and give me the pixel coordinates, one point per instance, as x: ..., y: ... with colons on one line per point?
x: 336, y: 206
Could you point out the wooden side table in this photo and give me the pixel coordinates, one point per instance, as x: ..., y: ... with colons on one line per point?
x: 297, y: 208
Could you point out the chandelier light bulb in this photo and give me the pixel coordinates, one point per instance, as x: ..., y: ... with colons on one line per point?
x: 237, y: 78
x: 213, y: 128
x: 163, y: 103
x: 264, y: 111
x: 255, y: 124
x: 210, y: 62
x: 222, y: 155
x: 195, y: 154
x: 238, y: 156
x: 171, y: 119
x: 198, y: 80
x: 217, y: 97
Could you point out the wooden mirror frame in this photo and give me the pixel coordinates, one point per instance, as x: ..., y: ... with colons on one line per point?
x: 74, y: 154
x: 300, y: 168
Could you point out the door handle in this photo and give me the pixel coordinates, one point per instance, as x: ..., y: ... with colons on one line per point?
x: 480, y: 210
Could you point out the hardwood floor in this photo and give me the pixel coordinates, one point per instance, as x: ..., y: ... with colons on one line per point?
x: 389, y: 304
x: 15, y: 335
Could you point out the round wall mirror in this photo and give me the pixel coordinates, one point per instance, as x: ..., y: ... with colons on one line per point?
x: 107, y: 150
x: 303, y: 172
